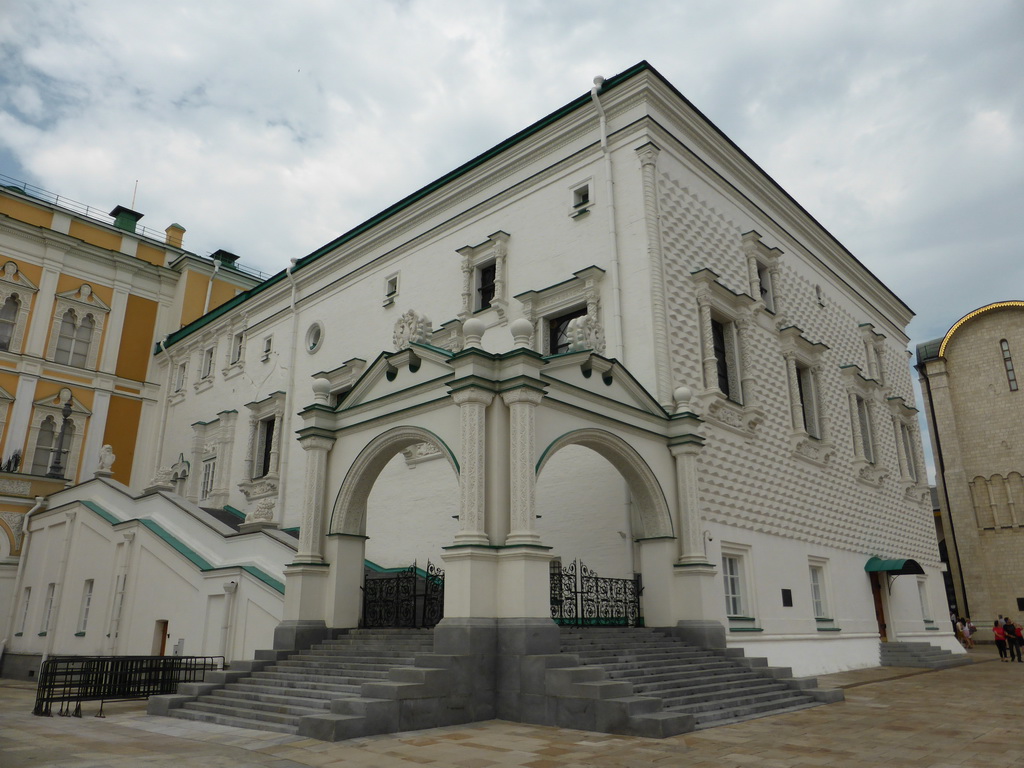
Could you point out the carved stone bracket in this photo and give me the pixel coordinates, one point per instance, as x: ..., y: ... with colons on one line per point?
x: 743, y: 420
x: 585, y: 333
x: 817, y: 452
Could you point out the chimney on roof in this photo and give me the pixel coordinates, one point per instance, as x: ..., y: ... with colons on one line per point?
x: 175, y: 233
x: 125, y: 218
x: 226, y: 258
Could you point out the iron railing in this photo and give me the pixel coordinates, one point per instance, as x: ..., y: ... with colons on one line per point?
x: 70, y: 680
x: 406, y: 598
x: 581, y: 598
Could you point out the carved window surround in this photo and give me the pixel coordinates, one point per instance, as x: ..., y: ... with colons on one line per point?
x: 51, y: 406
x: 493, y: 250
x: 212, y: 441
x: 207, y: 358
x: 763, y: 274
x: 908, y: 447
x: 234, y: 358
x: 265, y: 416
x: 14, y: 283
x: 85, y: 303
x: 865, y: 393
x: 738, y: 409
x: 582, y: 289
x: 811, y: 435
x: 874, y: 352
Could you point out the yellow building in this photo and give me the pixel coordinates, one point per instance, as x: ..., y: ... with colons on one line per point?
x: 83, y: 299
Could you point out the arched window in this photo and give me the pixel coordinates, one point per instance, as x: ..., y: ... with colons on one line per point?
x: 44, y: 447
x: 8, y: 320
x: 1011, y: 377
x: 74, y: 339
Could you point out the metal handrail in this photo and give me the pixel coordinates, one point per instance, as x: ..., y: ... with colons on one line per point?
x: 71, y: 680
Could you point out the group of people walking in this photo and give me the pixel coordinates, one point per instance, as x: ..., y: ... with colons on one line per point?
x: 1009, y: 639
x: 1009, y: 636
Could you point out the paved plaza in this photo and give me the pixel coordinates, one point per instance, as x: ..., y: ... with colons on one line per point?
x: 965, y: 716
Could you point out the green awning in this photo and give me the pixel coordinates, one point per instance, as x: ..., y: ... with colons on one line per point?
x: 895, y: 567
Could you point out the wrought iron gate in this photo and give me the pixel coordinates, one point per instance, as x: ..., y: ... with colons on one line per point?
x: 581, y: 598
x: 407, y: 598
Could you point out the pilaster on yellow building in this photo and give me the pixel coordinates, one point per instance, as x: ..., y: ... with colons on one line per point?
x: 83, y: 299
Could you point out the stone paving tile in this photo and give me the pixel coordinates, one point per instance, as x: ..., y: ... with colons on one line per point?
x: 966, y: 717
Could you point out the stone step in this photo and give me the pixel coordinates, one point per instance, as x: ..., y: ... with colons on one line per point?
x: 247, y: 713
x: 669, y: 688
x: 742, y: 714
x: 232, y: 720
x: 700, y: 705
x: 275, y: 687
x: 290, y: 699
x: 679, y: 672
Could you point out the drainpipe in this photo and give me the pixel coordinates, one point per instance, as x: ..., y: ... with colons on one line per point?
x: 165, y: 407
x: 285, y: 445
x: 209, y: 285
x: 613, y: 236
x: 19, y: 582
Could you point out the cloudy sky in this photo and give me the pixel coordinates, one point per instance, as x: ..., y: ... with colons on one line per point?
x: 268, y: 128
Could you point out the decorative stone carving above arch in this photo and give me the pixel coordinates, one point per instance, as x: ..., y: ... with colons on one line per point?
x: 412, y: 328
x: 652, y: 509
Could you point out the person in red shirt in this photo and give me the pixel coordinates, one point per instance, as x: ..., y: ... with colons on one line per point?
x: 1000, y: 632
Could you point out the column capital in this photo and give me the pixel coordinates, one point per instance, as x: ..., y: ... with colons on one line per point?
x: 472, y: 395
x: 523, y: 394
x: 317, y: 442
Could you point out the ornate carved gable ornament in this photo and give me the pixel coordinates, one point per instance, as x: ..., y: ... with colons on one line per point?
x: 585, y: 333
x: 412, y: 328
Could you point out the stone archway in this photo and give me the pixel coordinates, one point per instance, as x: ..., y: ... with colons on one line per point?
x: 348, y: 516
x: 611, y: 563
x: 652, y: 510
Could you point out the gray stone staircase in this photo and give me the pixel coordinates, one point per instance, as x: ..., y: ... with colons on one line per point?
x: 920, y: 654
x: 276, y: 694
x: 715, y: 687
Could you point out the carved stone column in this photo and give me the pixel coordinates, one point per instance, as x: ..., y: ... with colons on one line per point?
x: 648, y: 155
x: 824, y: 421
x: 522, y: 403
x: 745, y: 325
x: 472, y: 404
x: 858, y: 439
x: 688, y: 520
x: 795, y: 404
x: 311, y: 531
x: 707, y: 342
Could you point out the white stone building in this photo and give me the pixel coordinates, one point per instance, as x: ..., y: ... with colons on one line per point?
x: 640, y: 353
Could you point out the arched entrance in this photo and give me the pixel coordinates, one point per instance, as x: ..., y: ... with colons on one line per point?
x: 594, y: 520
x: 399, y: 500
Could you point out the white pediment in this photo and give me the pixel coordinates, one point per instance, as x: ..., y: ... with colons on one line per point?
x: 597, y: 379
x: 83, y: 296
x: 396, y: 372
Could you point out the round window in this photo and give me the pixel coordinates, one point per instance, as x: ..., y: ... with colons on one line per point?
x: 314, y: 337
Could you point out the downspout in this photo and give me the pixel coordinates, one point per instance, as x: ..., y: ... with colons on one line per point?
x: 282, y: 477
x: 19, y: 581
x: 209, y: 285
x: 613, y: 235
x: 941, y: 467
x: 165, y: 407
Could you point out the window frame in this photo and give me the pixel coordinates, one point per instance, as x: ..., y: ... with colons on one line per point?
x: 1011, y: 375
x: 15, y: 284
x: 27, y: 597
x: 476, y: 259
x: 83, y: 611
x: 543, y: 306
x: 820, y: 598
x: 44, y: 626
x: 85, y: 303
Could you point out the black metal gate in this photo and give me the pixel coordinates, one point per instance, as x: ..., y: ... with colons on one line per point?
x: 581, y: 598
x: 407, y: 598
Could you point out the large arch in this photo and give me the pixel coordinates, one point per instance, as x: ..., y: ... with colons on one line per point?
x: 651, y: 506
x: 348, y: 515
